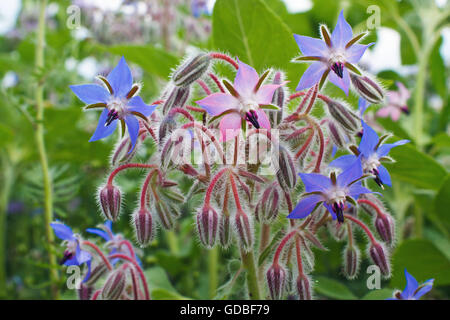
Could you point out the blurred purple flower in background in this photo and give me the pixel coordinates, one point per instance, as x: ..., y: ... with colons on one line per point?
x: 199, y: 7
x: 396, y: 103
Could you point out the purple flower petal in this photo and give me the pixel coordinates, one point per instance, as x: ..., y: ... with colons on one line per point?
x: 218, y: 103
x: 315, y: 182
x: 369, y: 140
x: 136, y: 104
x: 312, y: 75
x: 343, y: 162
x: 265, y: 93
x: 246, y: 79
x: 305, y: 207
x: 363, y: 104
x: 99, y: 232
x: 62, y: 231
x: 353, y: 172
x: 384, y: 176
x: 311, y: 46
x: 343, y: 83
x: 120, y: 79
x: 330, y: 210
x: 356, y: 189
x: 91, y: 93
x: 384, y: 149
x: 230, y: 126
x: 263, y: 120
x: 411, y: 286
x: 133, y: 129
x: 102, y: 131
x: 428, y: 285
x: 355, y: 52
x: 342, y: 33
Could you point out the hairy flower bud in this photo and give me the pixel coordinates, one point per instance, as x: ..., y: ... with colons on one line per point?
x: 385, y: 226
x: 85, y: 292
x: 343, y: 115
x: 367, y: 88
x: 351, y: 261
x: 110, y: 197
x: 165, y: 215
x: 267, y: 208
x: 337, y: 136
x: 191, y: 70
x: 97, y: 271
x: 278, y: 99
x: 379, y: 256
x: 166, y: 127
x: 244, y: 230
x: 286, y: 174
x: 276, y: 280
x: 207, y: 226
x: 143, y: 226
x: 114, y: 285
x: 225, y: 231
x: 176, y: 98
x: 304, y: 287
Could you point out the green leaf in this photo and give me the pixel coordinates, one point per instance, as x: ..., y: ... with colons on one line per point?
x: 332, y: 288
x: 416, y: 168
x: 157, y: 279
x: 163, y: 294
x: 422, y: 260
x: 442, y: 203
x: 438, y: 71
x: 381, y: 294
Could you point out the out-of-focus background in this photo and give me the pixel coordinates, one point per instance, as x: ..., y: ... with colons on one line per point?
x: 85, y: 38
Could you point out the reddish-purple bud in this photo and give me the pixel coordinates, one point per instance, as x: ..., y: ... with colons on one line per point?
x: 114, y: 285
x: 176, y: 98
x: 143, y: 226
x: 225, y: 231
x: 207, y: 226
x: 367, y: 88
x: 304, y: 287
x: 336, y: 134
x: 244, y: 230
x: 191, y: 70
x: 343, y: 115
x: 85, y: 292
x: 278, y: 99
x: 98, y: 270
x: 385, y: 226
x: 351, y: 261
x: 267, y: 208
x: 110, y: 197
x: 165, y: 215
x: 380, y: 257
x: 166, y: 127
x: 276, y: 281
x: 286, y: 174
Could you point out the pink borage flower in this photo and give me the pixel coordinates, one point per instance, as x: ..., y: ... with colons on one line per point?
x: 245, y: 102
x: 396, y: 103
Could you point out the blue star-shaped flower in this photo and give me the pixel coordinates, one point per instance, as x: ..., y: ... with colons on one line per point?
x: 413, y: 291
x: 336, y: 53
x: 371, y: 152
x: 73, y: 255
x: 331, y: 192
x: 118, y: 100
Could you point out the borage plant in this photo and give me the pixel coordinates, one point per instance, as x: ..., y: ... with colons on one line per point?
x: 243, y: 145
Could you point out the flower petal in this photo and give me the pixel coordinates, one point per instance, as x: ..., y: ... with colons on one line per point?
x: 353, y: 172
x: 315, y: 182
x: 312, y: 75
x: 99, y: 232
x: 305, y: 207
x: 411, y: 286
x: 330, y: 210
x: 343, y: 83
x: 363, y: 104
x: 91, y: 93
x: 384, y: 149
x: 311, y: 46
x: 218, y: 103
x: 246, y: 79
x: 136, y: 104
x: 343, y: 162
x: 403, y: 92
x: 357, y: 189
x: 230, y: 126
x: 120, y: 79
x: 263, y: 120
x: 133, y: 129
x: 355, y: 52
x: 384, y: 176
x: 102, y: 131
x: 342, y: 33
x: 384, y: 112
x: 369, y: 140
x: 62, y: 231
x: 427, y: 286
x: 265, y: 93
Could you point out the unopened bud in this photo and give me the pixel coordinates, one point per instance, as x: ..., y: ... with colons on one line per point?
x: 351, y: 261
x: 244, y: 230
x: 385, y: 226
x: 85, y: 292
x: 278, y: 99
x: 166, y: 218
x: 176, y: 98
x: 207, y: 226
x: 110, y: 197
x: 267, y: 207
x: 343, y: 115
x: 191, y: 70
x: 114, y: 285
x: 276, y: 280
x: 225, y: 231
x: 143, y: 226
x: 286, y: 174
x: 370, y: 209
x: 379, y: 256
x: 336, y: 135
x: 304, y: 287
x: 166, y: 127
x: 97, y: 271
x: 367, y: 88
x: 337, y: 230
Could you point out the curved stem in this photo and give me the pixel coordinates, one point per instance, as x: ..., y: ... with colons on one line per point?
x: 126, y: 166
x: 221, y: 56
x: 99, y: 252
x: 363, y: 226
x: 212, y: 184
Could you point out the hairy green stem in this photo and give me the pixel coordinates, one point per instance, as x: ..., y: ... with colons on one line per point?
x: 7, y: 177
x: 39, y: 134
x: 213, y: 260
x: 264, y: 241
x: 248, y: 261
